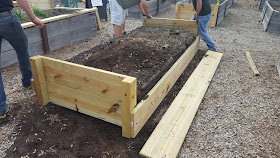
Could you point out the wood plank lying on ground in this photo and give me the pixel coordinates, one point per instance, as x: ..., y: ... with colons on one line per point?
x: 252, y: 64
x: 278, y: 65
x: 167, y: 138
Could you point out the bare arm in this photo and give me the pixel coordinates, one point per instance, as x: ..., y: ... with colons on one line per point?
x: 26, y: 7
x: 198, y: 7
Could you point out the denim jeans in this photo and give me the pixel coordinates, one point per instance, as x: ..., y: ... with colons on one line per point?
x: 202, y: 32
x: 11, y: 30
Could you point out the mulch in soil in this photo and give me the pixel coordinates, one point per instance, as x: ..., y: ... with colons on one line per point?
x: 146, y: 53
x: 54, y: 131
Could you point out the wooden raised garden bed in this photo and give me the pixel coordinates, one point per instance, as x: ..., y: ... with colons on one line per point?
x: 185, y: 10
x: 155, y: 6
x: 59, y: 31
x: 106, y: 95
x: 260, y: 3
x: 271, y: 16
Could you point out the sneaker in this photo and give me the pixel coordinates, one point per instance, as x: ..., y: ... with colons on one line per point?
x: 26, y: 88
x: 144, y: 15
x: 4, y: 115
x: 149, y: 17
x: 124, y: 33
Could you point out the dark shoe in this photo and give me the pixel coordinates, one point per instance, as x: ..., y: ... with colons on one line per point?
x: 144, y: 15
x: 124, y: 33
x: 149, y: 17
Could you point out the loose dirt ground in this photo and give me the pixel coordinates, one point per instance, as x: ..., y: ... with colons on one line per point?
x: 238, y: 117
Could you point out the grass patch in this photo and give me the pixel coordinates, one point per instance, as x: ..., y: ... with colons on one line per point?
x: 19, y: 15
x: 37, y: 12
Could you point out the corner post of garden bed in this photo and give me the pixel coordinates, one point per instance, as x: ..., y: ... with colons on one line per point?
x: 129, y: 98
x: 39, y: 81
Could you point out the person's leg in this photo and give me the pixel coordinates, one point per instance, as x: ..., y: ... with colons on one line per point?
x: 3, y: 104
x: 17, y: 38
x: 145, y: 8
x: 117, y: 30
x: 5, y: 21
x: 117, y: 18
x: 141, y: 9
x: 202, y: 24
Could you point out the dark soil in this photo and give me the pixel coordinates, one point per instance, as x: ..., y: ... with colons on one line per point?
x: 54, y: 131
x: 146, y: 53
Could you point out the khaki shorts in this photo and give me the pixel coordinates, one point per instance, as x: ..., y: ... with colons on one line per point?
x: 117, y: 13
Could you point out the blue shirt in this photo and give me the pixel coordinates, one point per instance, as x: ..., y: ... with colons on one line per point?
x: 6, y: 5
x: 205, y: 9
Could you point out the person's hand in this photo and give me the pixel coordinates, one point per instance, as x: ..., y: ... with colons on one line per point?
x: 196, y: 18
x: 37, y: 22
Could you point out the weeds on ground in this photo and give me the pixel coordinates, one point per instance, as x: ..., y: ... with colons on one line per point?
x: 228, y: 16
x: 37, y: 12
x: 19, y: 14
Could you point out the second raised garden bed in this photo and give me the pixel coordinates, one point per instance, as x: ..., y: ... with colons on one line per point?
x: 155, y: 6
x: 271, y: 16
x: 111, y: 96
x: 59, y: 31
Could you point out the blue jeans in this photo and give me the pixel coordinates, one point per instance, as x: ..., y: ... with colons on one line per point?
x: 203, y: 34
x: 11, y: 30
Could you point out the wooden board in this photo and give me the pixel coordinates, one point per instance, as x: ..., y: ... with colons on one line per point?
x: 87, y: 90
x: 146, y: 107
x: 186, y: 11
x: 167, y: 138
x: 252, y: 64
x: 189, y: 25
x: 60, y: 17
x: 278, y: 65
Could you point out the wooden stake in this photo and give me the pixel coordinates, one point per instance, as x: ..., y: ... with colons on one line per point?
x: 252, y: 64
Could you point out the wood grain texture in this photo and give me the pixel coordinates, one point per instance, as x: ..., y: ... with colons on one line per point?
x: 146, y: 107
x: 167, y: 138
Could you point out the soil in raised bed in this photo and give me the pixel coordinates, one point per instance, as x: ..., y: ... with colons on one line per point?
x: 146, y: 53
x: 53, y: 131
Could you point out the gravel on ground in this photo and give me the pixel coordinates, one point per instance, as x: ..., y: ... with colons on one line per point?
x: 239, y: 115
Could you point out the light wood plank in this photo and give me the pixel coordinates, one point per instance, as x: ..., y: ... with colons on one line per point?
x: 76, y: 100
x: 128, y: 103
x: 169, y: 134
x: 39, y: 80
x: 252, y: 64
x: 145, y: 108
x: 189, y: 25
x: 90, y: 80
x: 99, y: 25
x: 278, y: 65
x: 186, y: 11
x: 60, y: 17
x: 214, y: 15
